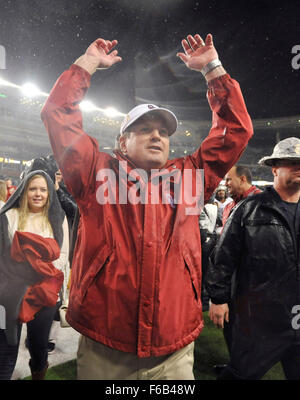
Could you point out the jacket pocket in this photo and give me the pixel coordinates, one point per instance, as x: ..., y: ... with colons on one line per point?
x: 192, y: 274
x: 100, y: 260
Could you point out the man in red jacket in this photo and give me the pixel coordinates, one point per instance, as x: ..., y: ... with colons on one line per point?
x: 239, y: 184
x: 135, y: 292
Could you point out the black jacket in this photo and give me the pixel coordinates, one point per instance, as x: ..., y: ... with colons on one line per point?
x: 259, y: 251
x: 68, y: 204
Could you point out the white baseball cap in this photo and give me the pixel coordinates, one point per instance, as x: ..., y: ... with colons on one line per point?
x: 138, y: 111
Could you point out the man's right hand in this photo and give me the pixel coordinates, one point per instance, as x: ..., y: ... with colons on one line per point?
x: 99, y: 55
x: 218, y: 313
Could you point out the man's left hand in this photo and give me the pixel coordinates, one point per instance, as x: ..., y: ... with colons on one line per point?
x: 218, y: 313
x: 198, y: 53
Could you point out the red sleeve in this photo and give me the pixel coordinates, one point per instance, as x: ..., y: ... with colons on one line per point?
x: 74, y: 150
x: 229, y: 135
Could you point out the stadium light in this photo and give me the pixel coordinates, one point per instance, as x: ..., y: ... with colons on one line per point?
x: 112, y: 112
x: 3, y: 82
x: 30, y: 90
x: 87, y: 105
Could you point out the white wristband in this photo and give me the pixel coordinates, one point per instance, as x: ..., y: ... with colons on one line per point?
x: 210, y: 66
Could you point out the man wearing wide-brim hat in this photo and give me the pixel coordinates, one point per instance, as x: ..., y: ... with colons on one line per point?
x: 260, y: 247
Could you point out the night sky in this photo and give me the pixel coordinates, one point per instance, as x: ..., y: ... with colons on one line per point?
x: 254, y: 40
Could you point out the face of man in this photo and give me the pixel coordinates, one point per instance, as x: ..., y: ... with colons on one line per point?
x: 147, y: 144
x: 8, y: 182
x: 233, y: 183
x: 37, y: 194
x: 221, y: 195
x: 287, y: 174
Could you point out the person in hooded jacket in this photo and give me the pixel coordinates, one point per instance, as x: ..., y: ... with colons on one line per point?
x: 49, y: 165
x: 68, y: 204
x: 34, y: 245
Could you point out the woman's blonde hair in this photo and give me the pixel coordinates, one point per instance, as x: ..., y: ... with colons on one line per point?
x: 3, y: 190
x: 24, y: 209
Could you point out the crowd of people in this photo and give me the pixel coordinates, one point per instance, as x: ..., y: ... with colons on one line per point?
x: 137, y: 260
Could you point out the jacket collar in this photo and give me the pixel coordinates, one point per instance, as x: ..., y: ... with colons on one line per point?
x: 249, y: 192
x: 271, y: 199
x: 271, y: 196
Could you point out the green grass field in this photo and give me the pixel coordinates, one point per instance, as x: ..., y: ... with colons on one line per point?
x: 210, y: 349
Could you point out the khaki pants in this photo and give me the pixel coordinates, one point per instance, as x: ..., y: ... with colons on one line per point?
x: 96, y: 361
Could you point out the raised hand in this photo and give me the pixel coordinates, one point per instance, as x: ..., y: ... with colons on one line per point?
x: 99, y: 55
x: 198, y: 53
x: 100, y: 50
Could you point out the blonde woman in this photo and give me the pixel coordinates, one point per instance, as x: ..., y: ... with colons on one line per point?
x: 3, y: 193
x: 34, y: 250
